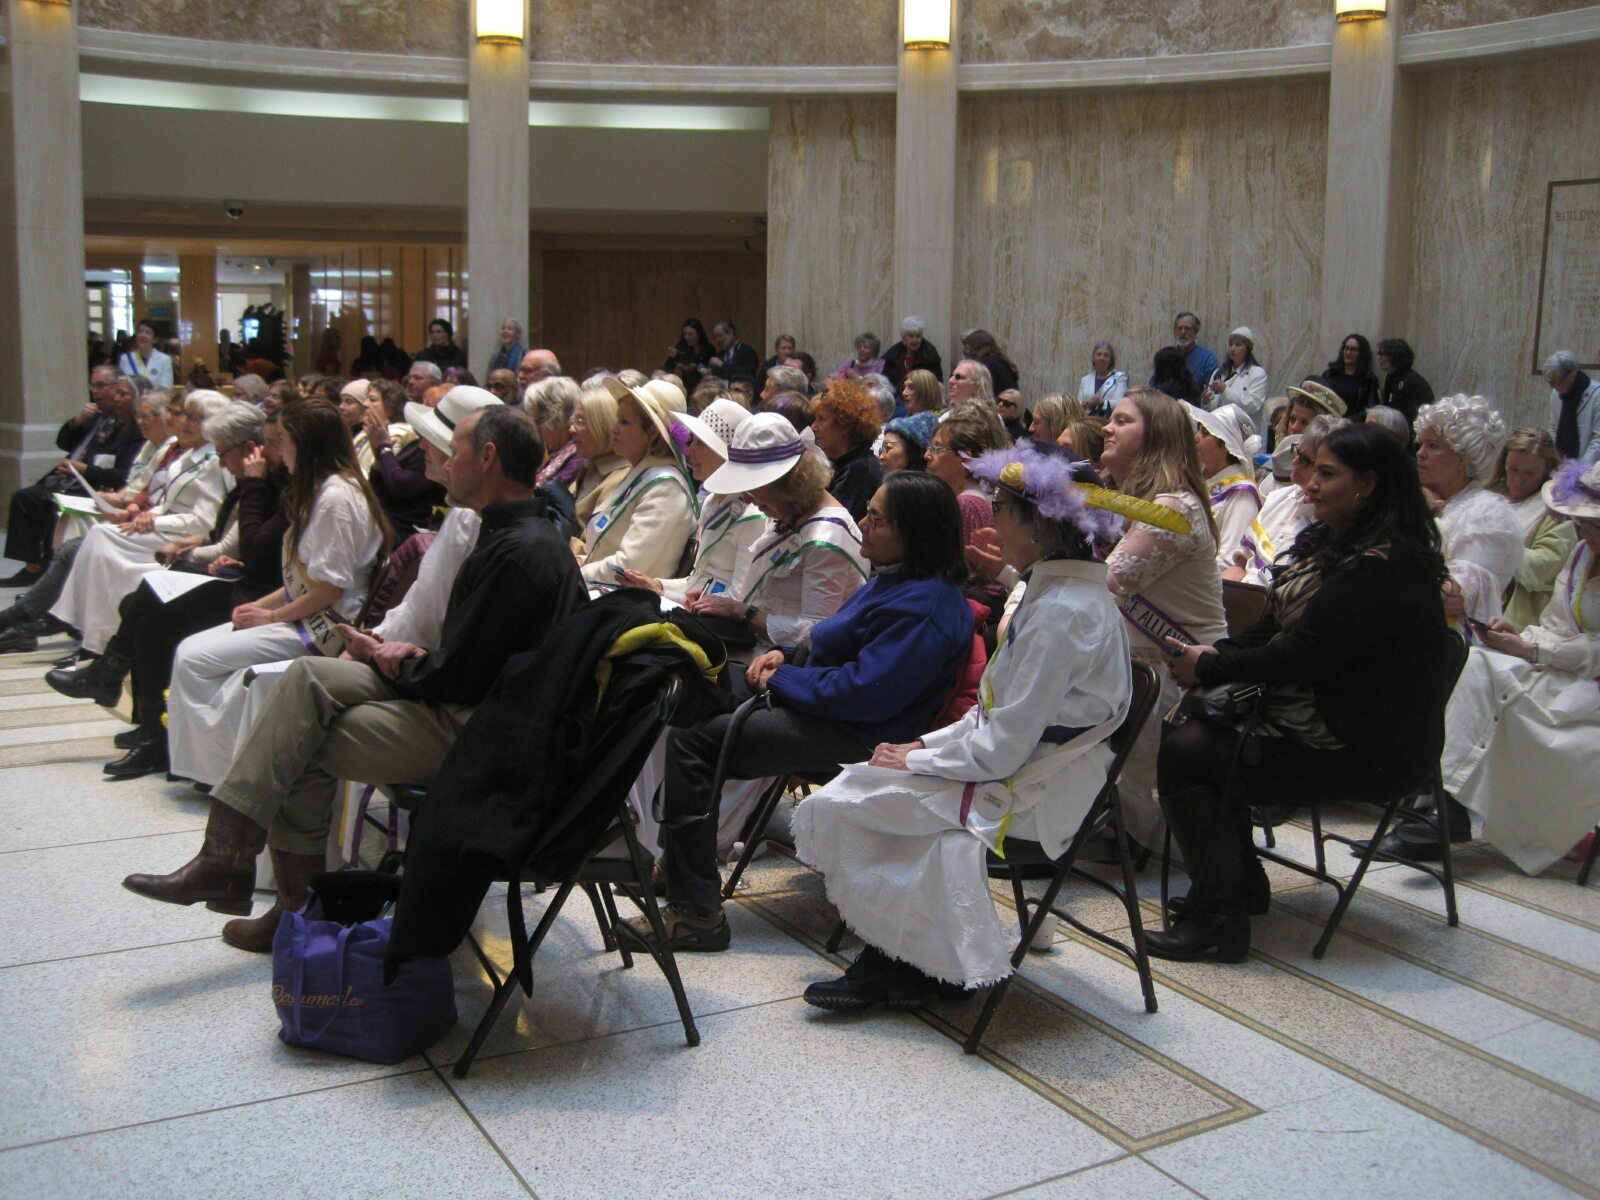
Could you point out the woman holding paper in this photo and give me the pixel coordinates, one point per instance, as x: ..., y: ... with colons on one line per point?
x: 336, y: 532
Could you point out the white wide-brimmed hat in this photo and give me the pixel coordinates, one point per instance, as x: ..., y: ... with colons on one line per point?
x: 763, y: 449
x: 1230, y: 425
x: 650, y: 403
x: 1318, y: 396
x: 437, y: 424
x: 715, y: 424
x: 1575, y: 490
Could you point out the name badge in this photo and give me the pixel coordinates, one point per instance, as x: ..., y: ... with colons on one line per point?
x: 105, y: 461
x: 601, y: 522
x: 716, y: 589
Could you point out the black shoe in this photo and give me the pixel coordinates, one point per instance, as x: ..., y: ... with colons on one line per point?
x: 93, y: 682
x: 23, y: 578
x: 1413, y: 839
x: 1201, y: 933
x: 148, y: 757
x: 16, y: 641
x: 76, y: 659
x: 128, y: 738
x: 874, y: 978
x: 1257, y: 898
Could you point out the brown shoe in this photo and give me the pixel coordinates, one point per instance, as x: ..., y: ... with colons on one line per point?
x: 688, y: 928
x: 223, y: 874
x: 294, y: 872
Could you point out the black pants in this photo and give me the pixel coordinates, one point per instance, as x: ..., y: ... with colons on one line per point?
x: 31, y: 525
x: 776, y: 741
x: 1212, y: 829
x: 150, y: 632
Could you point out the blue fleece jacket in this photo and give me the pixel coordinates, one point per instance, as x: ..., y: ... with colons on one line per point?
x: 884, y: 662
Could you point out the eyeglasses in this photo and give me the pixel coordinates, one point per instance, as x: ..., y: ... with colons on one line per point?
x: 1300, y: 460
x: 873, y: 518
x: 935, y: 448
x: 963, y: 378
x: 1005, y: 403
x: 578, y: 423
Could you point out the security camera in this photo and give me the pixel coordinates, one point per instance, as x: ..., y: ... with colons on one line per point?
x: 234, y: 209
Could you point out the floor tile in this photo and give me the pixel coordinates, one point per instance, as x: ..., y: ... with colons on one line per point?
x: 44, y: 734
x: 395, y: 1138
x: 160, y: 1032
x: 1355, y: 1143
x: 877, y: 1106
x: 1125, y: 1179
x: 64, y: 804
x: 1569, y: 1058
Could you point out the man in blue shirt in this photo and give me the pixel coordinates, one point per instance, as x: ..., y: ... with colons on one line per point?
x: 1202, y: 363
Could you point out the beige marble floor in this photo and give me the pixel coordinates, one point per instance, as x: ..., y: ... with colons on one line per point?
x: 1413, y: 1061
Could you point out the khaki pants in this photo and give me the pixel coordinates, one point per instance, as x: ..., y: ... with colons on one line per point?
x: 331, y: 719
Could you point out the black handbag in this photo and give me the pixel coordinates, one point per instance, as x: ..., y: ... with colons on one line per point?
x: 1230, y: 704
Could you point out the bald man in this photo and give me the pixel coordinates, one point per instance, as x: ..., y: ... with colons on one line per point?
x: 537, y: 365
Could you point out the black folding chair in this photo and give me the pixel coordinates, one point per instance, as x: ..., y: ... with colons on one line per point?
x: 1406, y: 807
x: 1104, y: 813
x: 613, y: 858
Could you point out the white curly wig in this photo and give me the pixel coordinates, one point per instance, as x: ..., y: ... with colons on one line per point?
x: 1471, y: 427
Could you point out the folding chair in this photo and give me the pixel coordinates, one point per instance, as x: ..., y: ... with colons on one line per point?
x: 599, y: 867
x: 1437, y: 823
x: 1106, y: 810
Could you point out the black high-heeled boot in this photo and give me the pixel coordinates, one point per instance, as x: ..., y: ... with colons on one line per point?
x: 1197, y: 934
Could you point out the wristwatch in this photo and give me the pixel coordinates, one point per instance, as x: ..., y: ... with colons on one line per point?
x: 750, y: 613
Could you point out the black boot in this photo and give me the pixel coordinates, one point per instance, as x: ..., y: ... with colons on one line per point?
x: 1416, y: 840
x: 1199, y: 933
x: 128, y: 738
x: 100, y: 681
x: 148, y: 757
x: 874, y: 978
x: 17, y: 640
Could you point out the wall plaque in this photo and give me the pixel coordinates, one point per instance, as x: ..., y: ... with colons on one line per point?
x: 1569, y: 275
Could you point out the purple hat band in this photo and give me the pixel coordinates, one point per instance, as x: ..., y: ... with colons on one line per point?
x: 766, y: 454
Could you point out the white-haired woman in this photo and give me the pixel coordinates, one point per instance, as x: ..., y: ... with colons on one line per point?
x: 551, y: 403
x: 1522, y: 730
x: 914, y: 352
x: 114, y: 556
x: 1459, y: 439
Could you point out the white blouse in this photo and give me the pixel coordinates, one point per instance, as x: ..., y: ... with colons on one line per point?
x: 340, y: 543
x: 419, y: 617
x: 801, y: 576
x: 726, y: 526
x: 1174, y: 574
x: 1482, y: 548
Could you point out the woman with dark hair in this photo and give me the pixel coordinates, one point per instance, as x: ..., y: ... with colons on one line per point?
x: 980, y: 346
x: 905, y: 443
x: 878, y: 670
x: 441, y: 349
x: 336, y: 532
x: 1240, y: 379
x: 901, y: 840
x: 1353, y: 651
x: 1170, y: 374
x: 399, y: 474
x: 844, y: 422
x: 1403, y: 389
x: 1351, y: 376
x: 687, y: 358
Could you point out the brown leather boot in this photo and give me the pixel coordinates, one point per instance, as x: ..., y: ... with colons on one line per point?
x: 294, y: 872
x: 223, y: 874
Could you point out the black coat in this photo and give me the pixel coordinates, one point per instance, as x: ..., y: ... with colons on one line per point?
x: 118, y: 440
x: 894, y: 363
x: 497, y: 809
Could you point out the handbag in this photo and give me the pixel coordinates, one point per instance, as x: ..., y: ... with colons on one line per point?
x: 1230, y: 704
x: 327, y: 975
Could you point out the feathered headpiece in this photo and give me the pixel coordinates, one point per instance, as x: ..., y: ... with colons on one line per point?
x: 1067, y: 490
x: 1574, y: 491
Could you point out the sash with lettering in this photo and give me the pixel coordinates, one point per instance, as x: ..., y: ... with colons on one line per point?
x: 1156, y: 625
x: 317, y: 633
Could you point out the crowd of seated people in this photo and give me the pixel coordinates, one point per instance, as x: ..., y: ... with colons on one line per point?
x: 835, y: 534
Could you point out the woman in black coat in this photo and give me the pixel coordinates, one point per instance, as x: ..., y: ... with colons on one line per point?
x: 1354, y: 651
x: 1403, y: 389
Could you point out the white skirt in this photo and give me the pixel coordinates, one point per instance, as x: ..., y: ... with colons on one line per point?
x: 1522, y: 750
x: 109, y: 565
x: 206, y: 706
x: 904, y: 873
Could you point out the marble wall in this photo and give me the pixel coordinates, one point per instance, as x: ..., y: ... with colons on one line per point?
x: 1490, y: 139
x: 1100, y: 215
x: 830, y: 238
x: 1428, y: 15
x: 379, y: 26
x: 1051, y: 30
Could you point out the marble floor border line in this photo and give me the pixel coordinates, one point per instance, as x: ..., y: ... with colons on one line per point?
x: 200, y: 1112
x: 1240, y: 1109
x: 45, y: 962
x: 1527, y: 1006
x: 482, y: 1132
x: 1355, y: 1075
x: 200, y: 824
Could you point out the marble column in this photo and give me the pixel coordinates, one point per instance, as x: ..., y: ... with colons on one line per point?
x: 1367, y: 210
x: 197, y: 311
x: 497, y: 193
x: 925, y: 191
x: 43, y: 374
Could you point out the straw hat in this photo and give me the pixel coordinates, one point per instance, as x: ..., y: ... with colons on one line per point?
x: 650, y: 403
x: 715, y: 424
x: 437, y: 424
x: 1318, y: 396
x: 763, y: 449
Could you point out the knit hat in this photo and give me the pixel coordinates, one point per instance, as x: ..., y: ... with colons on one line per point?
x: 917, y: 428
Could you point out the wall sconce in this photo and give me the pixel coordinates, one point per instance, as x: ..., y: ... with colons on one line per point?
x: 1360, y: 10
x: 499, y: 22
x: 927, y: 24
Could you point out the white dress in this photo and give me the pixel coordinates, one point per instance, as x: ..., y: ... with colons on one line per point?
x: 1522, y: 741
x: 800, y: 576
x: 206, y: 704
x: 902, y: 852
x: 1482, y: 548
x: 111, y: 563
x: 1162, y: 578
x: 726, y: 526
x: 643, y: 525
x: 1235, y: 503
x: 1283, y: 515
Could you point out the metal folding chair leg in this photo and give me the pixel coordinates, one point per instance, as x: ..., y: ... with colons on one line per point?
x: 754, y: 827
